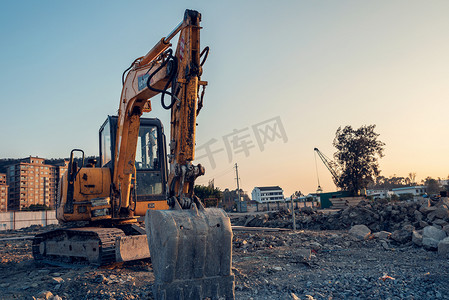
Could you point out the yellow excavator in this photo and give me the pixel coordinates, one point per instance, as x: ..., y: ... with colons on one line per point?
x: 190, y: 246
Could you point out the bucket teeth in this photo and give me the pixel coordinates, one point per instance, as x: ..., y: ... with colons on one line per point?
x: 191, y: 252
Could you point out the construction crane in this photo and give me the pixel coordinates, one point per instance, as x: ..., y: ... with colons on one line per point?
x: 330, y: 165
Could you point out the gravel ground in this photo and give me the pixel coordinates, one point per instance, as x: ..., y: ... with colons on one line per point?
x: 268, y: 265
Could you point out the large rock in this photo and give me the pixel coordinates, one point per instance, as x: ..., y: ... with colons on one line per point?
x: 427, y: 209
x: 257, y: 220
x: 443, y: 247
x: 307, y: 210
x: 402, y: 236
x: 442, y: 212
x: 431, y: 216
x: 360, y: 232
x: 423, y: 224
x: 439, y: 222
x: 446, y: 229
x: 418, y: 215
x: 431, y: 237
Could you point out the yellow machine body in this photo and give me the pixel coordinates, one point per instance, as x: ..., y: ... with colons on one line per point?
x: 90, y: 184
x: 191, y: 246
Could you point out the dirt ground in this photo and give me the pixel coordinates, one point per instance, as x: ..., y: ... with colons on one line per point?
x: 267, y: 265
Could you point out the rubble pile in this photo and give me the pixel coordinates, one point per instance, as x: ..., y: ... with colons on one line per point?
x: 396, y: 223
x: 353, y: 263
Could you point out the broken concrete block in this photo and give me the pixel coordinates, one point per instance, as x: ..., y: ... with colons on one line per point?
x: 382, y: 235
x: 417, y: 238
x: 446, y: 229
x: 360, y: 232
x: 431, y: 237
x: 418, y: 215
x: 433, y: 232
x: 427, y: 209
x: 443, y: 247
x: 423, y: 224
x: 304, y: 253
x: 442, y: 212
x: 439, y: 222
x: 401, y: 236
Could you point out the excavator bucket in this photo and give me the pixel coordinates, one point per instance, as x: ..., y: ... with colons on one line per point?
x: 191, y: 253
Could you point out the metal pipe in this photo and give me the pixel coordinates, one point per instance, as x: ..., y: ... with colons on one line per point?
x: 173, y: 33
x: 161, y: 46
x: 293, y: 213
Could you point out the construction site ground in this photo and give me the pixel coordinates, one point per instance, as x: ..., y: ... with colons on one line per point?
x: 302, y: 264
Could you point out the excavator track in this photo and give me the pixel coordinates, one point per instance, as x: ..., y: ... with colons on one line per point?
x: 86, y: 245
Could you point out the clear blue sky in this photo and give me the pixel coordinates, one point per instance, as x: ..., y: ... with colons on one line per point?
x: 313, y: 65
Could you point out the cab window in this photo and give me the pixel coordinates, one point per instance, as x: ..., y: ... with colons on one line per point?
x: 147, y: 150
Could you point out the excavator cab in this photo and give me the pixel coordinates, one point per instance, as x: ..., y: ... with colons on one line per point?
x: 150, y: 183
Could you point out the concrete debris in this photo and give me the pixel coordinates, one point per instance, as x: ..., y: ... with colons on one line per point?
x: 327, y: 262
x: 382, y: 235
x: 431, y: 237
x: 45, y: 295
x: 308, y: 264
x: 57, y: 280
x: 360, y: 232
x: 294, y: 297
x: 443, y: 247
x: 305, y: 254
x: 399, y: 223
x: 402, y: 236
x: 417, y: 238
x: 315, y: 245
x: 446, y: 229
x: 385, y: 245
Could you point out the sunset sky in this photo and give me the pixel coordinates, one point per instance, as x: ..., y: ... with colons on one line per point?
x: 286, y: 72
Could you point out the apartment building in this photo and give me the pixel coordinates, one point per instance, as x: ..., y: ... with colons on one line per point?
x: 31, y: 181
x: 3, y: 193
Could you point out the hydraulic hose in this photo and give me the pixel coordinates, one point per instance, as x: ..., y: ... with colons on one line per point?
x: 172, y: 64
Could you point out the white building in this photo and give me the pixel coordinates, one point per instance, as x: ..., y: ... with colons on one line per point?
x: 417, y: 190
x: 264, y: 194
x: 379, y: 194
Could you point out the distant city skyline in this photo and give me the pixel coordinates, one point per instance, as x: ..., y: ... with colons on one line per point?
x: 309, y: 66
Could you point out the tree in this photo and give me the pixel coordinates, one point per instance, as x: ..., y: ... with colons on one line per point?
x: 297, y: 194
x: 204, y: 192
x: 357, y: 154
x: 36, y: 207
x: 412, y: 177
x: 433, y: 186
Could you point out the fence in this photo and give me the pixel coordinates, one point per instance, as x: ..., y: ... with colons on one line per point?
x: 275, y: 206
x: 20, y: 219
